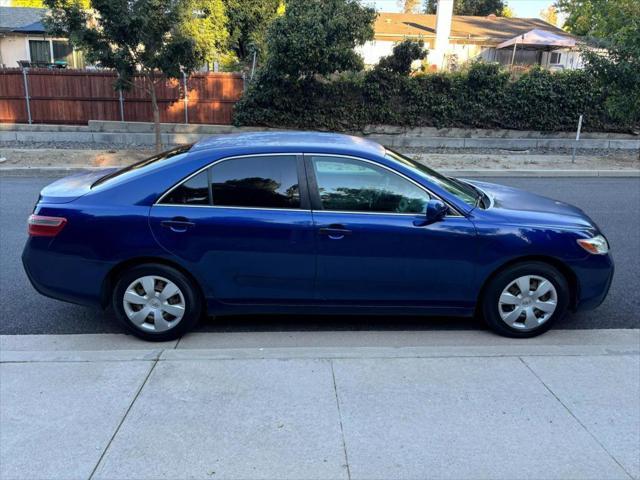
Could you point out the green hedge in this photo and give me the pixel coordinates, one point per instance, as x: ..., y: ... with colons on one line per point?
x: 482, y: 96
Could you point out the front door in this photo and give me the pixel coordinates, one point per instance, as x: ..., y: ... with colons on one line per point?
x: 373, y: 246
x: 244, y: 226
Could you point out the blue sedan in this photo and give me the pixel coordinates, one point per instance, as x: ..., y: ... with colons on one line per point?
x: 300, y: 222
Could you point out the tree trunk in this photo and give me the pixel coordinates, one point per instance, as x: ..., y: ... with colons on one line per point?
x: 156, y: 112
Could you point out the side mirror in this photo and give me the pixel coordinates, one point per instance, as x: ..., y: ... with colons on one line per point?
x: 436, y: 210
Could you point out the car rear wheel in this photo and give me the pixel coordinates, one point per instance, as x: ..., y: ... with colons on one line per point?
x: 525, y: 300
x: 156, y: 302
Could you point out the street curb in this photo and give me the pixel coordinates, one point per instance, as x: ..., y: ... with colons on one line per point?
x: 61, y: 171
x: 226, y: 346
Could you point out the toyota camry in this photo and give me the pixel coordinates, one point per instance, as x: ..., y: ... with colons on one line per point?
x: 300, y: 222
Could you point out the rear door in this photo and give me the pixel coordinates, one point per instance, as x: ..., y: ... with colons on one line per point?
x: 373, y: 246
x: 245, y: 227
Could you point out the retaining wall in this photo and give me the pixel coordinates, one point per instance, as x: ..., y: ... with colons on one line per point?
x: 141, y: 133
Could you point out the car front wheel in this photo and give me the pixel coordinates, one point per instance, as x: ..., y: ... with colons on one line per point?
x: 156, y: 302
x: 525, y: 300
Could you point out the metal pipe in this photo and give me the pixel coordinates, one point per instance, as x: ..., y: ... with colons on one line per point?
x: 575, y: 145
x: 186, y: 98
x: 513, y: 55
x: 121, y: 100
x: 26, y: 93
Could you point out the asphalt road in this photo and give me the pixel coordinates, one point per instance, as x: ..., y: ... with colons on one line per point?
x: 614, y: 203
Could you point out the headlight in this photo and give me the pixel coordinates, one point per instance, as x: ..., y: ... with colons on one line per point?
x: 597, y: 245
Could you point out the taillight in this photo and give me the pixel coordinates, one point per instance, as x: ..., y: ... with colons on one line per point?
x: 42, y: 226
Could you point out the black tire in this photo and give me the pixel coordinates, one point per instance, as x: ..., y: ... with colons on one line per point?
x: 190, y: 293
x: 496, y: 285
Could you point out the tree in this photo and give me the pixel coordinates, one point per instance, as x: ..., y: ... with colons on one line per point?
x: 205, y: 21
x: 306, y: 45
x: 613, y: 25
x: 409, y: 6
x: 480, y: 8
x: 507, y: 12
x: 404, y: 54
x: 618, y: 72
x: 248, y: 23
x: 550, y: 15
x: 598, y: 18
x: 132, y: 36
x: 318, y: 37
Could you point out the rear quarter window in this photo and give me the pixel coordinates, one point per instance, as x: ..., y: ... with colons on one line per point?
x: 194, y: 191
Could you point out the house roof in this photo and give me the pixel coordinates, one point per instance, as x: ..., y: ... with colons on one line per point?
x: 22, y: 19
x: 490, y: 29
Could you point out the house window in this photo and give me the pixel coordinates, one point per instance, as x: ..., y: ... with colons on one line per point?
x: 555, y: 58
x: 62, y: 52
x: 40, y: 52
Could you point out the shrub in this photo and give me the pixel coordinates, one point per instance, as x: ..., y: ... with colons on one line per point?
x: 480, y: 96
x: 404, y: 54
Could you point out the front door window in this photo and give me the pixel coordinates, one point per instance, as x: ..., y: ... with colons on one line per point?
x: 351, y: 185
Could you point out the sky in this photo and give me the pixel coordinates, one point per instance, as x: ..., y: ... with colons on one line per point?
x: 522, y: 8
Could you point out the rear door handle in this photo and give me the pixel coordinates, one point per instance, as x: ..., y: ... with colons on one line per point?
x: 177, y: 224
x: 334, y: 232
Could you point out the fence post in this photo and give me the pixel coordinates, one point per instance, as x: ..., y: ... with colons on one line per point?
x: 121, y: 99
x: 26, y: 93
x: 186, y: 98
x: 244, y: 81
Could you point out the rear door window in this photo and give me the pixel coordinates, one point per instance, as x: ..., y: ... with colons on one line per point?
x: 269, y: 181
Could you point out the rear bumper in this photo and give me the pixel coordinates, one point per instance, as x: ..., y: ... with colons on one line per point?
x: 63, y: 277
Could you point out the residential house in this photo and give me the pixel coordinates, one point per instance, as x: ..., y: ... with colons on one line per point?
x: 23, y: 41
x: 453, y: 40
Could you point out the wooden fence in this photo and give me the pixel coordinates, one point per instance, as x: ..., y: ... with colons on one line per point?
x: 77, y: 96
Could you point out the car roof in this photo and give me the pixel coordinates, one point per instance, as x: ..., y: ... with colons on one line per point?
x: 290, y: 141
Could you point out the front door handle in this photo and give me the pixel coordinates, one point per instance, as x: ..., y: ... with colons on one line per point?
x: 334, y: 231
x: 177, y: 224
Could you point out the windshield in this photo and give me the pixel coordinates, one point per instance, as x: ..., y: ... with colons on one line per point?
x: 143, y: 163
x: 463, y: 191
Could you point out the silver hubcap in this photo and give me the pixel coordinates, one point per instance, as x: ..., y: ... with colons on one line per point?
x: 154, y: 303
x: 528, y: 302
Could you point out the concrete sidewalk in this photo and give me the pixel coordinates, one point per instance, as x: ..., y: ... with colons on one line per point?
x: 323, y: 405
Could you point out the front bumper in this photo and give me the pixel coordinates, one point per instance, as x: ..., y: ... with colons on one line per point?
x: 594, y: 276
